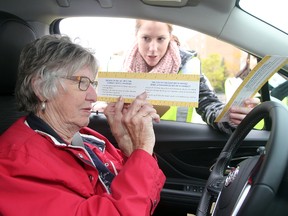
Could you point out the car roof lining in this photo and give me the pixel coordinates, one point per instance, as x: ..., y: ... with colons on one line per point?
x: 218, y: 18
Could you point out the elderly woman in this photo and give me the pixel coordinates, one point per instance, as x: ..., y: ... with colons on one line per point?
x: 52, y: 164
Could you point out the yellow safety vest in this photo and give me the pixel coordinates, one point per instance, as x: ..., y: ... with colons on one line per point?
x: 192, y: 66
x: 171, y: 114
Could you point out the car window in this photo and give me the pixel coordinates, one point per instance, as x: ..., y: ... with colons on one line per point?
x: 110, y: 38
x: 273, y: 13
x: 278, y: 86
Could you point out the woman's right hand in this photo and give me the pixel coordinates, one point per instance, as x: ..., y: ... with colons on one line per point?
x: 132, y: 125
x: 113, y: 113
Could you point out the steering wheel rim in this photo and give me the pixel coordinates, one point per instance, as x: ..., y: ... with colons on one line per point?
x: 273, y: 163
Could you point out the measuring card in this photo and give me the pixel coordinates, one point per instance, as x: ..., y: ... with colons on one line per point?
x: 260, y: 74
x: 162, y: 89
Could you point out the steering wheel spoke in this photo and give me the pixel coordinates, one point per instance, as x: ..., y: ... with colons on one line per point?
x: 215, y: 187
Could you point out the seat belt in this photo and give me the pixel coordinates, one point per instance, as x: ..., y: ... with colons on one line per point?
x: 77, y: 140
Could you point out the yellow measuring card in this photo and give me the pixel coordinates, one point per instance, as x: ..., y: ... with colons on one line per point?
x: 162, y: 89
x: 253, y: 82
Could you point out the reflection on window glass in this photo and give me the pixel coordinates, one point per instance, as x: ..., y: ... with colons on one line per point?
x: 111, y: 38
x: 279, y: 88
x: 273, y: 12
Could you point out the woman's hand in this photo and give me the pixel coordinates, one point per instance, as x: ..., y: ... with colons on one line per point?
x: 138, y: 121
x: 114, y: 115
x: 237, y: 114
x: 131, y: 125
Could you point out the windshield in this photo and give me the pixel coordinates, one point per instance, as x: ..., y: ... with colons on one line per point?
x: 273, y: 12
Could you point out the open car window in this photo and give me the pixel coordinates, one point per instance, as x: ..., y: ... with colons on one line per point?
x: 110, y: 38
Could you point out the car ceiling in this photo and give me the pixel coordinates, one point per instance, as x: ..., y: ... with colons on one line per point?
x: 216, y: 18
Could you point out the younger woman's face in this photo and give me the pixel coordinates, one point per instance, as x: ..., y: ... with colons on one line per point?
x: 153, y: 40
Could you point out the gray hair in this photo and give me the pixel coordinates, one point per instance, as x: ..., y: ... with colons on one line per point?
x: 44, y: 60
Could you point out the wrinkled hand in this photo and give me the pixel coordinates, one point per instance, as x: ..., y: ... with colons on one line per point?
x: 113, y: 113
x: 237, y: 114
x: 132, y: 125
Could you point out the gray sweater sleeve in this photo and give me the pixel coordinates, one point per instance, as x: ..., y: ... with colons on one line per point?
x: 210, y: 106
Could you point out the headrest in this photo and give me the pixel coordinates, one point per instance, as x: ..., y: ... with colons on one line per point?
x: 15, y: 33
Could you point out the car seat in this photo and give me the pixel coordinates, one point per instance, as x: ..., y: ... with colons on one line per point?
x: 15, y: 33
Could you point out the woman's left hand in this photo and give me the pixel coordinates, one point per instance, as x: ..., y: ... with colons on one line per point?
x: 237, y: 114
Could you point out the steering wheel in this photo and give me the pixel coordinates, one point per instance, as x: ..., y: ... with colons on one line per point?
x: 253, y: 184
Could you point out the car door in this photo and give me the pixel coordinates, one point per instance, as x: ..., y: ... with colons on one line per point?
x: 186, y: 152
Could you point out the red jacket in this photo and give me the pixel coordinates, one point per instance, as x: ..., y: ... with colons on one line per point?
x: 39, y: 176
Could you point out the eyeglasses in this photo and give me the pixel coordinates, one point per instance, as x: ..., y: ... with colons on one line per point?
x: 83, y: 82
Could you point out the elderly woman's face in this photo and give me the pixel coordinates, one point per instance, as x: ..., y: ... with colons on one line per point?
x: 153, y: 39
x: 73, y: 106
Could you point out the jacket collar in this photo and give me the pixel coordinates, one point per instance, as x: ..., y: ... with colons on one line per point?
x: 38, y: 124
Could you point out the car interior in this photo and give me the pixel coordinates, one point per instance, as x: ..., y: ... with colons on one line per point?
x: 194, y: 157
x: 11, y: 47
